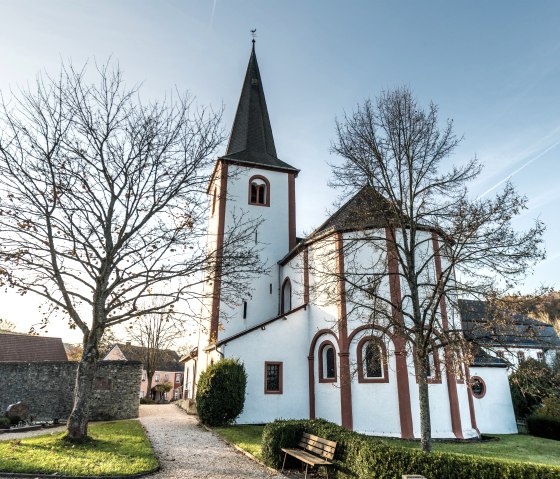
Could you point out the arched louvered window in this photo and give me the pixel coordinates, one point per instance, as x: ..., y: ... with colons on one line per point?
x: 259, y: 191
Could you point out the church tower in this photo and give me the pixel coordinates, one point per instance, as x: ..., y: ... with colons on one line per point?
x: 250, y: 178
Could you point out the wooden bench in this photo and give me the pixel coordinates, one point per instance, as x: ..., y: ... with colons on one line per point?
x: 313, y: 451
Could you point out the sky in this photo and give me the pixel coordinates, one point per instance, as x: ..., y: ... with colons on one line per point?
x: 492, y: 67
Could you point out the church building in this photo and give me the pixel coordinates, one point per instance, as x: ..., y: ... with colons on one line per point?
x: 305, y: 356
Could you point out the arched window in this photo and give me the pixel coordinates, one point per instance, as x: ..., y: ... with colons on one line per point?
x: 432, y: 366
x: 327, y: 363
x: 259, y: 191
x: 372, y: 361
x: 286, y: 296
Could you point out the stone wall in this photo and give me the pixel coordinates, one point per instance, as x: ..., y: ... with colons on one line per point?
x: 48, y: 387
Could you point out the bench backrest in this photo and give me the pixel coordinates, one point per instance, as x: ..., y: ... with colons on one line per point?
x: 317, y: 445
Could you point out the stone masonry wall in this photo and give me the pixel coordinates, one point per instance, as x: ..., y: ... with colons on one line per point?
x: 48, y: 388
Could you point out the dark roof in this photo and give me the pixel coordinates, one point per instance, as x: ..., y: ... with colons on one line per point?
x: 251, y: 139
x: 483, y: 359
x: 522, y: 331
x: 366, y: 209
x: 27, y: 348
x: 169, y: 358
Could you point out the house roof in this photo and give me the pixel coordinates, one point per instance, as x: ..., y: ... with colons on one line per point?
x: 28, y: 348
x: 251, y: 140
x: 169, y: 358
x: 521, y: 331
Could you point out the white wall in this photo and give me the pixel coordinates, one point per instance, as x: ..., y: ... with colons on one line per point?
x: 283, y: 341
x: 375, y: 406
x: 273, y: 242
x: 494, y: 412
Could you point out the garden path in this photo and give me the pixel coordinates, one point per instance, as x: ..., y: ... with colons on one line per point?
x: 185, y: 449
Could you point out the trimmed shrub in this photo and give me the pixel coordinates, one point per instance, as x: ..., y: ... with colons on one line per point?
x: 359, y: 456
x: 220, y: 394
x: 544, y: 426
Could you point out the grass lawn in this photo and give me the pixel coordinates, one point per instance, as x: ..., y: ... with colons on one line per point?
x: 516, y: 448
x: 511, y: 447
x: 248, y: 438
x: 117, y: 448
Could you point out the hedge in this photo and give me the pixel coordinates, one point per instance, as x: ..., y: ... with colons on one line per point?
x: 544, y: 426
x: 359, y: 456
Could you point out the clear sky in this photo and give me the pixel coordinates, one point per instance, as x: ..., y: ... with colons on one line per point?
x: 494, y: 67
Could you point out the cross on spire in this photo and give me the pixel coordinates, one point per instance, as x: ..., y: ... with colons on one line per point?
x: 254, y: 34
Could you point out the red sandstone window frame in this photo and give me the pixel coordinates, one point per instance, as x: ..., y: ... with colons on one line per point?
x: 434, y: 379
x: 280, y: 389
x: 362, y: 378
x: 323, y: 366
x: 283, y: 309
x: 266, y: 192
x: 484, y: 389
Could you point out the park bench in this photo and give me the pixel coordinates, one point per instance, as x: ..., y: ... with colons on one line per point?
x: 313, y: 451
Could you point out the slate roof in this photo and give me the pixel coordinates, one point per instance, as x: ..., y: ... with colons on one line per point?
x: 27, y: 348
x: 483, y: 359
x: 251, y: 140
x: 523, y: 331
x: 169, y: 359
x: 366, y: 209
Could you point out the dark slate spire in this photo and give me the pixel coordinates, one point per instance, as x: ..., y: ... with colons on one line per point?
x: 251, y: 139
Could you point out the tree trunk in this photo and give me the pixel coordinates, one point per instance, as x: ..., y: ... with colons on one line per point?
x: 425, y: 420
x: 149, y: 378
x: 79, y: 417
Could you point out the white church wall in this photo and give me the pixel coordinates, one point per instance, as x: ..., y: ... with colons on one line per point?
x: 327, y: 395
x: 285, y: 341
x: 494, y: 411
x: 362, y: 258
x: 273, y: 240
x: 375, y: 406
x: 440, y: 412
x: 322, y: 263
x: 294, y: 271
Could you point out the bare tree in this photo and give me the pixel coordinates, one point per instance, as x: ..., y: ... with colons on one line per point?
x: 103, y: 204
x: 156, y: 334
x: 422, y: 232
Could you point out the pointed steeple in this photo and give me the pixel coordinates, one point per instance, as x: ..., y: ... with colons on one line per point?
x: 251, y: 139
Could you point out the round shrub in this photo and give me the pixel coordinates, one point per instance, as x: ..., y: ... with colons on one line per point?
x: 220, y: 394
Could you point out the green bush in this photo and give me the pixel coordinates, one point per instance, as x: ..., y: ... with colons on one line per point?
x: 4, y: 422
x: 544, y: 426
x: 147, y: 400
x: 362, y: 457
x: 220, y: 394
x: 550, y: 408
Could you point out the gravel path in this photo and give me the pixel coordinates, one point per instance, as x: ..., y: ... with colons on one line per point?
x: 187, y: 451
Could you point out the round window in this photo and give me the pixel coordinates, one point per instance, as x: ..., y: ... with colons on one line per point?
x: 478, y: 387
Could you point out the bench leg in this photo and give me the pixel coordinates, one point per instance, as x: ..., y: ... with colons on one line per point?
x: 306, y: 466
x: 284, y: 463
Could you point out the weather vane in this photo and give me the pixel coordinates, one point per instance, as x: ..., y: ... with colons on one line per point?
x: 254, y: 34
